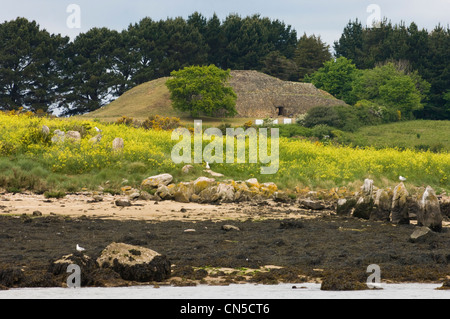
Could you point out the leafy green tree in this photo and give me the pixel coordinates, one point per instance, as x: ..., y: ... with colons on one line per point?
x: 428, y: 53
x: 392, y: 88
x: 202, y: 91
x: 311, y: 54
x: 336, y: 77
x: 30, y: 64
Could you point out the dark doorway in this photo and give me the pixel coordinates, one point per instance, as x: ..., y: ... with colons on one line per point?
x: 281, y: 111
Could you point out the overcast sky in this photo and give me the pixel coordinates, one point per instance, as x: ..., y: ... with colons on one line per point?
x: 324, y: 18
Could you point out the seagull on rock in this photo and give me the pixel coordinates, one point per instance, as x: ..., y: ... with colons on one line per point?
x: 80, y: 249
x: 207, y: 165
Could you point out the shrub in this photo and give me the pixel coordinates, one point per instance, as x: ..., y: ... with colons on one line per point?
x: 322, y: 131
x: 293, y: 130
x: 321, y: 115
x: 128, y: 121
x: 156, y: 122
x: 248, y: 124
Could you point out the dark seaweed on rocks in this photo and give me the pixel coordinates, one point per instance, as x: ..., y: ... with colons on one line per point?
x: 307, y: 248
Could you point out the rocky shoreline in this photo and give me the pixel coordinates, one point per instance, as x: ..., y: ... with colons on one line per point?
x: 245, y: 232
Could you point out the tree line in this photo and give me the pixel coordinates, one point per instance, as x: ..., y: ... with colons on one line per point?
x: 39, y: 70
x: 411, y: 49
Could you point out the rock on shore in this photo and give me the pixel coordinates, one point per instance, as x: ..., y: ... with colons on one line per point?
x: 135, y: 263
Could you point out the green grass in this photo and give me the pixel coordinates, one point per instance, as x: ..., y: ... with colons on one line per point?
x: 418, y: 135
x: 28, y: 164
x: 151, y: 98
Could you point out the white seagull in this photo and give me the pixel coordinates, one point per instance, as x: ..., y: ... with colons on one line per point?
x: 207, y: 165
x: 98, y: 130
x: 80, y: 249
x: 402, y: 179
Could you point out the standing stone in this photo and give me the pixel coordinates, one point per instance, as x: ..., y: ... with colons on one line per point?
x: 445, y: 207
x: 73, y: 135
x: 382, y: 206
x: 118, y: 144
x: 429, y: 214
x: 252, y: 182
x: 399, y: 210
x: 225, y: 192
x: 158, y: 180
x: 208, y: 195
x: 163, y: 192
x: 96, y: 139
x: 364, y: 207
x: 184, y: 192
x: 345, y: 206
x: 58, y: 136
x: 45, y: 130
x: 202, y: 183
x: 187, y: 169
x: 367, y: 188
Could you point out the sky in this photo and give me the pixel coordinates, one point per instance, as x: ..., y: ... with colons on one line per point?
x: 319, y: 17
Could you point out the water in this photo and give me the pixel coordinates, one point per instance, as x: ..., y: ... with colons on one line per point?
x: 247, y: 291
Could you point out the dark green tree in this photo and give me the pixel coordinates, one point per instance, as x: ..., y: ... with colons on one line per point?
x: 249, y: 40
x: 310, y: 55
x: 351, y: 43
x: 163, y: 46
x: 278, y: 66
x: 30, y: 65
x: 90, y: 80
x: 438, y: 73
x: 215, y: 39
x: 426, y: 52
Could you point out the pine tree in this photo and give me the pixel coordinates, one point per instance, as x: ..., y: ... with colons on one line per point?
x: 350, y: 45
x: 30, y: 61
x: 310, y: 55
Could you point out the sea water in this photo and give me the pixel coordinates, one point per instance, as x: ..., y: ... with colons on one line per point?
x: 244, y: 291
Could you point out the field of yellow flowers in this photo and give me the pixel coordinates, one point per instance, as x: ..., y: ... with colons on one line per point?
x: 30, y: 161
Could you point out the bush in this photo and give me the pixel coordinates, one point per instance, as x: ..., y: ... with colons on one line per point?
x: 321, y: 115
x: 128, y: 121
x: 293, y: 130
x: 156, y: 122
x: 322, y: 131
